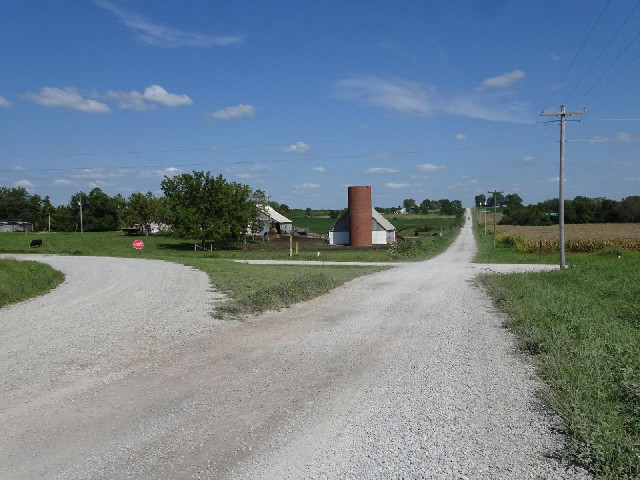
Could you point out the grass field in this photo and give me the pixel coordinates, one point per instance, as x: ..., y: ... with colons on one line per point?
x: 22, y: 280
x: 582, y: 326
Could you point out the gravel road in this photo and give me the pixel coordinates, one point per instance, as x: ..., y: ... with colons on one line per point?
x: 407, y: 373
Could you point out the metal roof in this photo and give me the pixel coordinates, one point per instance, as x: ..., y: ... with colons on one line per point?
x: 386, y: 224
x: 275, y: 216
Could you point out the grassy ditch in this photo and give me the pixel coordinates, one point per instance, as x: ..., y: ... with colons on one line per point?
x: 582, y: 325
x: 22, y: 280
x: 257, y: 288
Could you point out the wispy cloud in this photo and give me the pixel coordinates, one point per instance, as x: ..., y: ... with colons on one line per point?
x: 308, y: 186
x: 18, y: 168
x: 298, y: 147
x: 555, y: 57
x: 381, y: 170
x: 320, y: 170
x: 151, y: 96
x: 411, y: 98
x: 155, y: 34
x: 460, y: 136
x: 228, y: 113
x: 429, y: 167
x: 66, y: 98
x: 396, y: 185
x: 23, y: 184
x: 625, y: 137
x: 599, y: 139
x: 63, y: 182
x: 529, y: 159
x: 502, y: 81
x: 4, y: 103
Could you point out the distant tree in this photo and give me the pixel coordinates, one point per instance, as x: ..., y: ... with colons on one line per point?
x: 409, y: 204
x: 513, y: 198
x: 141, y: 209
x: 499, y: 200
x: 210, y: 208
x: 336, y: 213
x: 425, y: 205
x: 457, y: 208
x: 445, y: 206
x: 628, y: 210
x: 481, y: 200
x: 307, y: 212
x: 283, y: 208
x: 100, y: 211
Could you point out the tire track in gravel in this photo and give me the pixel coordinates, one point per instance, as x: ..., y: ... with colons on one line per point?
x: 405, y: 373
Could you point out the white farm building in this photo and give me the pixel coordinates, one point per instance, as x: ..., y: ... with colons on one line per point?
x: 382, y: 231
x: 268, y: 218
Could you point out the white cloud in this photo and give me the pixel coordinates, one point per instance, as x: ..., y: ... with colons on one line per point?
x: 160, y: 174
x: 245, y: 175
x: 157, y: 35
x: 381, y: 170
x: 460, y: 136
x: 473, y: 181
x: 4, y: 103
x: 309, y: 186
x: 152, y: 95
x: 557, y: 86
x: 63, y: 182
x: 298, y: 147
x: 502, y: 81
x: 157, y: 94
x: 529, y: 159
x: 97, y: 173
x: 429, y: 167
x: 625, y: 137
x: 396, y: 185
x: 24, y: 184
x: 232, y: 112
x: 320, y: 170
x: 554, y: 180
x: 555, y: 57
x: 411, y: 98
x: 459, y: 186
x: 67, y: 98
x: 598, y: 139
x: 18, y: 168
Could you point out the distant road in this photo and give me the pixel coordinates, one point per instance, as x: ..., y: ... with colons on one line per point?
x: 406, y: 373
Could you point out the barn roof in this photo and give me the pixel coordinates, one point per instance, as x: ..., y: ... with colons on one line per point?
x: 384, y: 223
x: 275, y: 216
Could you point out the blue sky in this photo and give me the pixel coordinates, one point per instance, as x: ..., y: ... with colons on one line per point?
x: 419, y: 99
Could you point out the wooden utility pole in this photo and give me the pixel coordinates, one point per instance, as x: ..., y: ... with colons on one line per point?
x: 562, y: 114
x: 495, y: 213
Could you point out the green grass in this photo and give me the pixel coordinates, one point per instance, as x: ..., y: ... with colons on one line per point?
x: 582, y: 325
x: 257, y: 288
x: 22, y: 280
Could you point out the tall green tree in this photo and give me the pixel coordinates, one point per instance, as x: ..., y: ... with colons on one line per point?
x: 141, y: 209
x: 481, y: 200
x: 210, y: 208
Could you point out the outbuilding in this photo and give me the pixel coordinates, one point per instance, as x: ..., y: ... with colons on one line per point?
x: 8, y: 226
x: 382, y: 231
x: 268, y: 218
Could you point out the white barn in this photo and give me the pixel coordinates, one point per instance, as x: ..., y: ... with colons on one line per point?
x: 269, y: 218
x: 382, y: 231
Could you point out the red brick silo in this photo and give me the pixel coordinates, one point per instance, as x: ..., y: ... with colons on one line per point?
x: 360, y: 216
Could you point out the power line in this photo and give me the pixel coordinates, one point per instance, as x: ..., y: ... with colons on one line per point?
x: 579, y: 50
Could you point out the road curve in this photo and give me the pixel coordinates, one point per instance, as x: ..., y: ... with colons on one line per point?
x: 405, y: 373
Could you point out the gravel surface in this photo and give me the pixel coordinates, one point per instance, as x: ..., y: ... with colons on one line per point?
x: 405, y: 373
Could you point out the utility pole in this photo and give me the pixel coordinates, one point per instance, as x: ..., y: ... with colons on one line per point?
x: 562, y: 114
x: 80, y: 205
x: 495, y: 213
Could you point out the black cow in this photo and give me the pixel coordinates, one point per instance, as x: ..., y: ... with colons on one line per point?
x: 35, y: 243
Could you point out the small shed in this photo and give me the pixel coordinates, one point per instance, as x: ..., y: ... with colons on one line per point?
x: 9, y: 226
x: 382, y: 231
x: 269, y: 218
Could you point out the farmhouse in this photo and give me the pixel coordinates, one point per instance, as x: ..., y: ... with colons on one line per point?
x: 382, y: 231
x: 269, y: 218
x: 8, y: 226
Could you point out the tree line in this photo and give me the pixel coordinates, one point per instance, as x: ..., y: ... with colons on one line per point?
x: 196, y: 205
x: 579, y: 210
x: 444, y: 205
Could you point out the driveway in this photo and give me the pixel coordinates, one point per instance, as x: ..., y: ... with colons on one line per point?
x: 406, y: 373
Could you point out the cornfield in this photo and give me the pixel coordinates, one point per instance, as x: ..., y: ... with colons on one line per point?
x: 582, y: 238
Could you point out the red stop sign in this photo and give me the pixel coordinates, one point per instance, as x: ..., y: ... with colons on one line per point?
x: 138, y: 244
